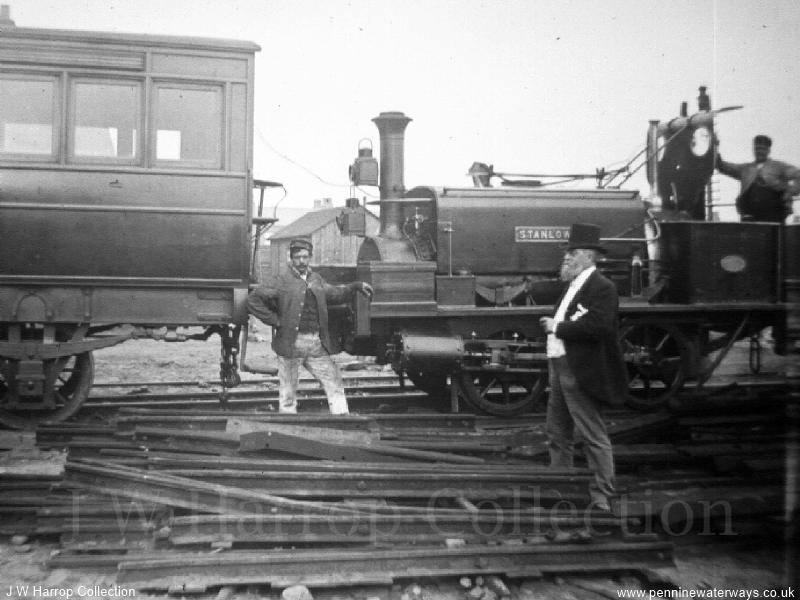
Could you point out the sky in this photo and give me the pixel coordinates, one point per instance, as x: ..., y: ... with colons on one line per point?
x: 529, y: 86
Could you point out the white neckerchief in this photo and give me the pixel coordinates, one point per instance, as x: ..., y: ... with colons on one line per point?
x: 555, y: 345
x: 302, y: 276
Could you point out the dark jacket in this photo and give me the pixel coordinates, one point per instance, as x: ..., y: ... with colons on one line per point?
x: 780, y: 177
x: 279, y: 302
x: 590, y: 340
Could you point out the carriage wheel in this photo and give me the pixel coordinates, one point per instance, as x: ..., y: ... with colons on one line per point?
x: 656, y: 355
x: 502, y: 394
x: 70, y: 389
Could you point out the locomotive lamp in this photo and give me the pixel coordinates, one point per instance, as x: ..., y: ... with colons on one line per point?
x: 364, y: 170
x: 353, y: 219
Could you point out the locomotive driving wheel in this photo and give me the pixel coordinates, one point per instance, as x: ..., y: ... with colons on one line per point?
x: 656, y: 355
x: 501, y: 393
x: 70, y: 379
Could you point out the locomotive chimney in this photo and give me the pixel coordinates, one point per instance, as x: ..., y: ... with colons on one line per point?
x: 391, y: 126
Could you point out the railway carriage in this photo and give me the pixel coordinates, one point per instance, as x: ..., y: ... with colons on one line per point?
x: 125, y: 198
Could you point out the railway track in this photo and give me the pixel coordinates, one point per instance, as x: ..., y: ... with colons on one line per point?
x: 364, y: 392
x: 312, y: 398
x: 353, y: 380
x: 176, y: 498
x: 356, y: 385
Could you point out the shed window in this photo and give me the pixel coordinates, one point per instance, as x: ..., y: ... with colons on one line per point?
x: 27, y: 114
x: 189, y: 126
x: 106, y: 121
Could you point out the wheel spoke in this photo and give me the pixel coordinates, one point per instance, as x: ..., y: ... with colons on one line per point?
x: 60, y: 399
x: 655, y: 355
x: 505, y: 395
x: 660, y: 345
x: 485, y: 389
x: 70, y: 389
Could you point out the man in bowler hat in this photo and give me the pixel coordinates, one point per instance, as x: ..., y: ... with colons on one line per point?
x: 585, y: 362
x: 295, y: 304
x: 767, y: 185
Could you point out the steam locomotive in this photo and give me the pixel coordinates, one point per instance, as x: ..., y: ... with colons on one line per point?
x: 462, y: 275
x: 126, y: 198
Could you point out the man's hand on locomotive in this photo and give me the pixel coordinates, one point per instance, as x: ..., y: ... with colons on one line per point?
x: 363, y: 287
x: 548, y: 324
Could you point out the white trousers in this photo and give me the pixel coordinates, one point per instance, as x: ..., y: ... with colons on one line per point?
x: 310, y: 354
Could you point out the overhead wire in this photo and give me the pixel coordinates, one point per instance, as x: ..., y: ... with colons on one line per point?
x: 614, y: 173
x: 644, y: 162
x: 287, y: 158
x: 365, y: 192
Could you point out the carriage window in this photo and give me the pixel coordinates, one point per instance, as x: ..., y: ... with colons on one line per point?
x: 106, y: 121
x: 26, y: 117
x: 189, y: 126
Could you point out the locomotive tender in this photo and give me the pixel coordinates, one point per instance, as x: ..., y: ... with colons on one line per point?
x: 125, y: 198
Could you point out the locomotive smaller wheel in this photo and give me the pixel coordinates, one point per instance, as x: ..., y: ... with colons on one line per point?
x: 71, y: 388
x: 502, y: 394
x: 656, y: 355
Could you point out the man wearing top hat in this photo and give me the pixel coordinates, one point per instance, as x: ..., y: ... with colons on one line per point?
x: 585, y: 362
x: 767, y: 185
x: 295, y: 304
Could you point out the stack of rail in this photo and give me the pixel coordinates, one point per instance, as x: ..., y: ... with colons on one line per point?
x: 170, y: 499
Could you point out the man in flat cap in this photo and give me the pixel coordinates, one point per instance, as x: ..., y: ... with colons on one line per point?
x: 767, y: 185
x: 295, y: 304
x: 585, y: 362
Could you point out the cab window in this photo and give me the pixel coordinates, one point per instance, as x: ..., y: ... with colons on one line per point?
x: 106, y: 119
x: 27, y: 117
x: 188, y: 126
